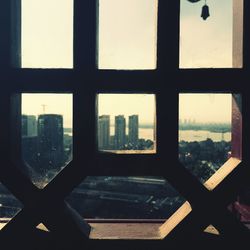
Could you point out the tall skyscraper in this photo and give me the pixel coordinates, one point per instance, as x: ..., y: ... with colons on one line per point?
x: 29, y: 142
x: 29, y: 126
x: 133, y: 129
x: 50, y: 141
x: 120, y: 132
x: 104, y: 132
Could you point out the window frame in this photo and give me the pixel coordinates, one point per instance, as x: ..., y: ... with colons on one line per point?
x: 84, y: 82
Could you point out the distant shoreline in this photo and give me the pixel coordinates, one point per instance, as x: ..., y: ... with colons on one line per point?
x: 146, y: 126
x: 213, y: 128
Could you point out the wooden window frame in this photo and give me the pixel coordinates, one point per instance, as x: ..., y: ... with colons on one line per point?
x: 85, y: 81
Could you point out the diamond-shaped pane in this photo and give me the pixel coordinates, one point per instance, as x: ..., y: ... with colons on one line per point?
x: 212, y: 230
x: 209, y: 135
x: 129, y: 198
x: 42, y: 227
x: 46, y: 135
x: 9, y: 206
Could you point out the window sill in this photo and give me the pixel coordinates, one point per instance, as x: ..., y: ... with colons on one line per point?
x: 125, y: 231
x: 143, y: 230
x: 221, y: 173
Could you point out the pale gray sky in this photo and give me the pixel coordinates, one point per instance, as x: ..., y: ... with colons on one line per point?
x: 206, y: 108
x: 207, y: 43
x: 127, y: 34
x: 61, y: 104
x: 128, y: 104
x: 47, y: 33
x: 127, y: 40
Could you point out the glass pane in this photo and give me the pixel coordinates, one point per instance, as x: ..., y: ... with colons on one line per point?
x: 205, y: 131
x: 9, y: 206
x: 46, y: 135
x: 126, y: 123
x: 127, y: 34
x: 215, y: 42
x: 141, y: 197
x: 47, y: 34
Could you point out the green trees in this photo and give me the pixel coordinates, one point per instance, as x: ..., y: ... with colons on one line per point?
x: 203, y: 158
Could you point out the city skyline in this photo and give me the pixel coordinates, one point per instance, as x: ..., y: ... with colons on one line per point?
x: 126, y: 134
x: 189, y: 120
x: 46, y: 148
x: 61, y: 104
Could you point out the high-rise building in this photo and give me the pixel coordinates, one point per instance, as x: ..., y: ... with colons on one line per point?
x: 29, y: 126
x: 133, y: 129
x: 120, y: 132
x: 29, y: 142
x: 104, y: 132
x: 50, y: 141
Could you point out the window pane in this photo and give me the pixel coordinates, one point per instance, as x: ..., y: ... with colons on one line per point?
x: 215, y: 42
x: 127, y: 197
x: 9, y: 206
x: 126, y: 123
x: 46, y: 135
x: 47, y: 33
x: 205, y: 132
x: 127, y: 34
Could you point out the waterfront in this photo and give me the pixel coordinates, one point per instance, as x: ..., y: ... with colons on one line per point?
x: 202, y: 135
x: 184, y: 135
x: 144, y: 133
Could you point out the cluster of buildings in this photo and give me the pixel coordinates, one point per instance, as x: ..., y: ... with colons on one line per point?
x: 187, y: 121
x: 120, y: 140
x: 43, y: 141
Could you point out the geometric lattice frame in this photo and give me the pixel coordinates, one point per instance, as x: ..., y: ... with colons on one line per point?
x: 85, y: 81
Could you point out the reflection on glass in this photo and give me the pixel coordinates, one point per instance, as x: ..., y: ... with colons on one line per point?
x: 46, y: 135
x: 47, y: 33
x: 204, y: 132
x: 215, y: 42
x: 140, y: 197
x: 126, y: 123
x: 127, y: 34
x: 9, y: 206
x: 241, y: 206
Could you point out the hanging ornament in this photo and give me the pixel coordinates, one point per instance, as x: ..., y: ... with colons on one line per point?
x: 205, y: 11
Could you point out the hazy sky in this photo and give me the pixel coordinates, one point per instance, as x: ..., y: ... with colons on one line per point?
x: 127, y: 34
x: 128, y: 104
x: 47, y: 33
x: 127, y: 40
x: 206, y: 43
x: 55, y: 104
x: 206, y: 107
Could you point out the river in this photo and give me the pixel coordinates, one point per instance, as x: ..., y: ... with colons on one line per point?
x: 202, y: 135
x: 184, y: 135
